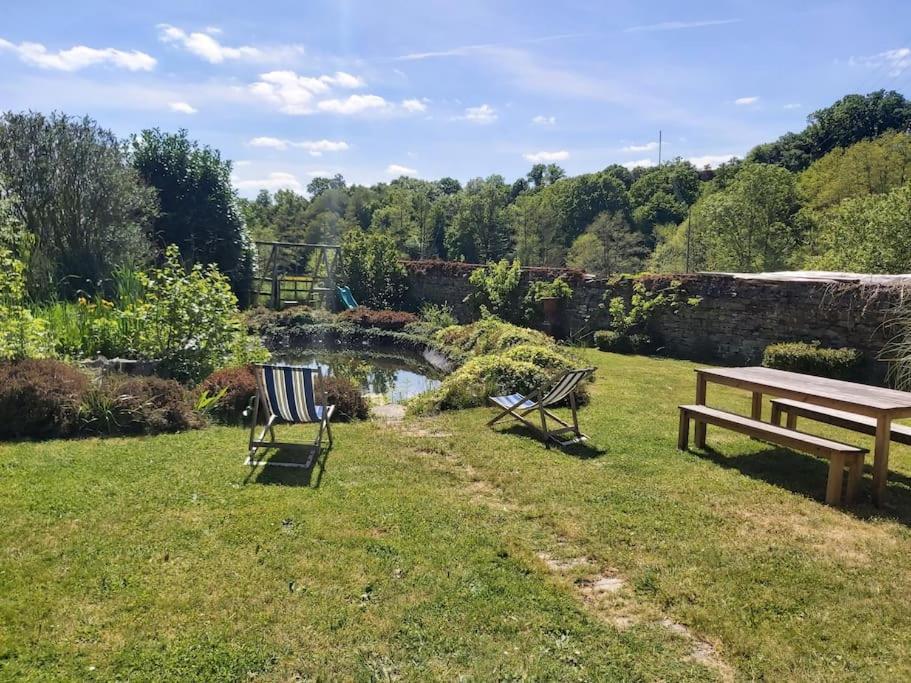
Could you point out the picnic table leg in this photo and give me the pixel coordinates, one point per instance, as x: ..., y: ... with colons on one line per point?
x: 756, y: 407
x: 699, y: 435
x: 881, y: 458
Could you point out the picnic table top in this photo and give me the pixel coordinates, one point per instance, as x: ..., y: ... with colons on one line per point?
x: 834, y: 392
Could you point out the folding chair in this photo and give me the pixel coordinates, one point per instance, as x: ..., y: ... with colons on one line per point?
x: 288, y: 393
x: 518, y: 407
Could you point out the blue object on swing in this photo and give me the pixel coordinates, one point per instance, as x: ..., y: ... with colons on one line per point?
x: 347, y: 299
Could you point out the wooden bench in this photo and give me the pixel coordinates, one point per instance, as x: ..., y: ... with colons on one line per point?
x: 840, y: 455
x: 839, y: 418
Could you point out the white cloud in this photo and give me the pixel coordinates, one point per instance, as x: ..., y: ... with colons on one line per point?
x: 353, y: 104
x: 647, y: 147
x: 343, y: 80
x: 291, y: 93
x: 314, y: 147
x: 541, y: 120
x: 644, y: 163
x: 541, y: 157
x: 203, y: 45
x: 792, y: 105
x: 413, y: 105
x: 743, y: 101
x: 482, y: 115
x: 78, y: 57
x: 182, y: 107
x: 320, y: 174
x: 895, y: 61
x: 712, y: 160
x: 679, y: 25
x: 277, y: 180
x: 399, y: 170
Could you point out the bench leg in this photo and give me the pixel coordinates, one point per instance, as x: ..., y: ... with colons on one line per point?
x: 855, y: 474
x: 776, y: 415
x: 700, y: 400
x: 836, y: 474
x: 683, y: 433
x: 792, y: 420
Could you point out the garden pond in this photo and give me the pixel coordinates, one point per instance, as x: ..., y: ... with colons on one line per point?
x: 382, y: 377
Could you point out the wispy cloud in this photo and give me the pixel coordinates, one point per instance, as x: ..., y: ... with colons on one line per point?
x: 353, y: 104
x: 895, y: 62
x: 182, y: 107
x: 541, y: 157
x: 680, y: 25
x: 647, y: 147
x: 466, y: 50
x: 711, y: 160
x: 541, y: 120
x: 483, y: 114
x: 204, y: 45
x: 414, y: 105
x: 78, y: 57
x: 792, y: 105
x: 399, y: 170
x: 746, y: 101
x: 314, y: 147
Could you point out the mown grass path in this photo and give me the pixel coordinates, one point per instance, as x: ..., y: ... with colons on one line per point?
x: 437, y: 548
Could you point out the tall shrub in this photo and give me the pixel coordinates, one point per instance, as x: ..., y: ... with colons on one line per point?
x: 373, y: 270
x: 199, y: 211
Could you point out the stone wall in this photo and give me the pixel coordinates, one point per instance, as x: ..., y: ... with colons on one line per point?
x: 736, y: 318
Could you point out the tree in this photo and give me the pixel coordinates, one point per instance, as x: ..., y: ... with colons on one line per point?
x: 87, y: 210
x: 319, y: 185
x: 479, y: 230
x: 609, y: 245
x: 752, y: 225
x: 199, y: 208
x: 664, y: 194
x: 372, y: 268
x: 869, y: 234
x: 868, y: 167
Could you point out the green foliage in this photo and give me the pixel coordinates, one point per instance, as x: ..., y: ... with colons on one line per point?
x: 137, y: 405
x: 373, y: 270
x: 199, y: 211
x: 548, y: 357
x: 496, y: 289
x: 489, y: 335
x: 608, y: 246
x: 384, y: 320
x: 897, y: 351
x: 85, y: 209
x: 21, y: 334
x: 630, y: 321
x: 232, y: 390
x: 851, y: 119
x: 812, y: 359
x: 869, y: 234
x: 614, y: 342
x: 438, y: 316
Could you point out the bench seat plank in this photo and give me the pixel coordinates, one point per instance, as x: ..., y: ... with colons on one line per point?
x: 840, y: 418
x: 840, y: 455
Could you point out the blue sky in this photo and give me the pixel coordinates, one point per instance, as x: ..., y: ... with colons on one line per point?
x: 373, y: 90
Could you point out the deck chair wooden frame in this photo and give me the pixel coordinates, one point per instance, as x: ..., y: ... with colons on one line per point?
x: 290, y: 394
x: 519, y: 407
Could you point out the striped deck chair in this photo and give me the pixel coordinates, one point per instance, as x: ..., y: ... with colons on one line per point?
x: 518, y: 407
x: 291, y: 394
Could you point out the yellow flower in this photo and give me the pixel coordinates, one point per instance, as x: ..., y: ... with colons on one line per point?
x: 106, y: 303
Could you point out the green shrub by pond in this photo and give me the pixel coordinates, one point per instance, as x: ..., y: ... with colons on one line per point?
x: 812, y: 359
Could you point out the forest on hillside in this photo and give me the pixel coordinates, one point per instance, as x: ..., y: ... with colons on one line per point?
x: 835, y: 195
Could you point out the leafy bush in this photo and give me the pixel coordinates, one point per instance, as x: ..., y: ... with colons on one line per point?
x: 438, y: 316
x: 547, y: 357
x: 21, y: 334
x: 480, y: 377
x: 137, y: 405
x: 496, y: 290
x: 239, y: 385
x: 373, y: 270
x: 489, y: 335
x: 841, y: 363
x: 631, y: 321
x: 346, y: 397
x: 609, y: 340
x: 384, y: 320
x: 40, y: 398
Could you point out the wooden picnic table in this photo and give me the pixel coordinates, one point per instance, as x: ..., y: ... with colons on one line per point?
x: 885, y: 405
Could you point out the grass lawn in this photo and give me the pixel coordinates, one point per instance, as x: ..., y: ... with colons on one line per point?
x: 438, y: 548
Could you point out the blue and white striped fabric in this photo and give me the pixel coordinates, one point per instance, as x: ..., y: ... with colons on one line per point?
x: 565, y: 385
x: 288, y: 392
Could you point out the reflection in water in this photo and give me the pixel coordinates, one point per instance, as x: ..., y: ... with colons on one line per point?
x: 384, y: 378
